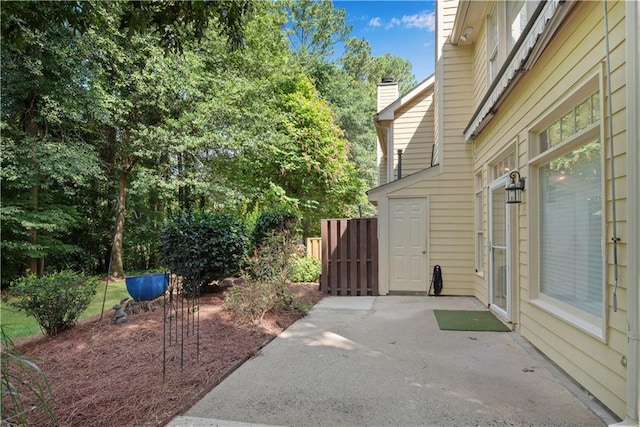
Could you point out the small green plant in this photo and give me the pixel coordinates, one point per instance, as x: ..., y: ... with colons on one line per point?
x: 305, y: 269
x: 55, y: 300
x: 25, y: 389
x: 301, y: 307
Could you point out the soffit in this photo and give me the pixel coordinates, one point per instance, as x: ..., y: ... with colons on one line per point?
x: 470, y: 14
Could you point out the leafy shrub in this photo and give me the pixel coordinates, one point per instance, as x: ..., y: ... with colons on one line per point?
x: 266, y: 281
x: 25, y: 388
x: 251, y: 301
x: 270, y: 223
x: 305, y: 269
x: 55, y: 300
x: 203, y: 247
x: 271, y: 261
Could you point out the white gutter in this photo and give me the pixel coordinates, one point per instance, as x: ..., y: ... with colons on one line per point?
x: 390, y: 153
x: 461, y: 17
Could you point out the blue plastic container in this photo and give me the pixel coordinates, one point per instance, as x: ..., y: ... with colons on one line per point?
x: 147, y: 286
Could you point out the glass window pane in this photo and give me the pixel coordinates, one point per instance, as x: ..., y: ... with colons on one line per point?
x: 492, y: 36
x: 511, y: 162
x: 499, y: 217
x: 554, y: 134
x: 583, y: 115
x: 544, y: 141
x: 595, y: 107
x: 499, y: 275
x: 516, y: 21
x: 571, y: 249
x: 568, y: 124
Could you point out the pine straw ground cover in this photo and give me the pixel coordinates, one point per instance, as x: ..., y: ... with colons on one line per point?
x: 103, y: 374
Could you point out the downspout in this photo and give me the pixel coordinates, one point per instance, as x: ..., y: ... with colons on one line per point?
x: 633, y: 176
x: 382, y: 148
x: 390, y: 164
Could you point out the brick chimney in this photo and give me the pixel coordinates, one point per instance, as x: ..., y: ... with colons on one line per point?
x: 387, y: 92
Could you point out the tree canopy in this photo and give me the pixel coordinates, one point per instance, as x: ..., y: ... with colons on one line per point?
x: 119, y: 115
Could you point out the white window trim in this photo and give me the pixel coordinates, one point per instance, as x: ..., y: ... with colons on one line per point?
x: 586, y: 322
x: 494, y: 53
x: 479, y: 224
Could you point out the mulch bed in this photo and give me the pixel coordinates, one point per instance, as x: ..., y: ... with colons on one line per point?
x: 103, y: 374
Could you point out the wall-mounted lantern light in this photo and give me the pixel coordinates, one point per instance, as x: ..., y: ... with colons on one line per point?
x: 515, y: 188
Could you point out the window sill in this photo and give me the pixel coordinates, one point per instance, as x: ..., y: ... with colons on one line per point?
x: 589, y: 324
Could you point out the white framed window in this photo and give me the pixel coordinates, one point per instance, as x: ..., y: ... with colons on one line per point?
x: 479, y: 224
x: 569, y: 214
x: 504, y: 165
x: 505, y: 24
x: 492, y: 43
x: 517, y: 17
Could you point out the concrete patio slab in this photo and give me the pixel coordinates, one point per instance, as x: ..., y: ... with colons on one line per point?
x: 383, y: 361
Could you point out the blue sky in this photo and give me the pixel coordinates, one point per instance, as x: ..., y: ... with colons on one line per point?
x: 402, y: 28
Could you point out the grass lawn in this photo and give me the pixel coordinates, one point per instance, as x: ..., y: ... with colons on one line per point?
x: 17, y: 324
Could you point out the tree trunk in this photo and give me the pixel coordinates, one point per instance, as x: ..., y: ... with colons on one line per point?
x: 117, y: 268
x: 34, y: 265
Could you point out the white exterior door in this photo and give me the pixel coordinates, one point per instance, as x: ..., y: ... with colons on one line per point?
x: 408, y: 245
x: 499, y: 265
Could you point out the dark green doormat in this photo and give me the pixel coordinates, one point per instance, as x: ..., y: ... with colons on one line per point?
x: 469, y: 320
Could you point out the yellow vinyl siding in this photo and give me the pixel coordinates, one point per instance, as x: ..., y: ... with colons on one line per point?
x: 450, y: 231
x: 575, y: 53
x: 413, y: 134
x: 479, y: 64
x: 382, y: 171
x: 448, y: 188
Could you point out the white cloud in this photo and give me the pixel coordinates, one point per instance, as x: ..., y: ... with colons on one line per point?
x: 392, y: 23
x: 375, y: 22
x: 423, y: 20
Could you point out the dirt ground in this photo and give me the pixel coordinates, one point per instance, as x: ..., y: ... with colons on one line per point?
x: 103, y: 374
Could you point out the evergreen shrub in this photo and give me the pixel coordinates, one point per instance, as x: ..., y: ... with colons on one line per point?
x: 203, y: 247
x: 270, y: 223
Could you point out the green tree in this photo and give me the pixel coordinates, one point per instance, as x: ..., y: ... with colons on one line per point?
x: 394, y: 66
x: 312, y: 158
x: 315, y: 27
x: 67, y: 96
x: 47, y: 158
x: 139, y: 86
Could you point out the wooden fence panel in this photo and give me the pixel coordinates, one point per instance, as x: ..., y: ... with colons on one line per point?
x: 349, y: 257
x: 314, y: 247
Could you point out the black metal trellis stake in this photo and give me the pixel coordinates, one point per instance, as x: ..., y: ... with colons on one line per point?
x: 182, y: 333
x: 170, y: 314
x: 175, y: 312
x: 164, y: 333
x: 198, y: 332
x: 189, y: 299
